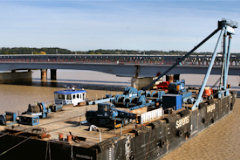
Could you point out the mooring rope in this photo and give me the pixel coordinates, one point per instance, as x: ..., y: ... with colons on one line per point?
x: 49, y: 151
x: 4, y: 135
x: 46, y: 154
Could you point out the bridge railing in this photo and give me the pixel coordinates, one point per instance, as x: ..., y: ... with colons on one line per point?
x: 100, y: 59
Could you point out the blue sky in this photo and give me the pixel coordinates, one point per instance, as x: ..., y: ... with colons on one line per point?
x: 114, y: 24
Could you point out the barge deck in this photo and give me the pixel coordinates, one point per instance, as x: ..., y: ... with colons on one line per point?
x: 151, y: 140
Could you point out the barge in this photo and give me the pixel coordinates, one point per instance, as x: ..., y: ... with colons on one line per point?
x: 139, y: 124
x: 149, y: 141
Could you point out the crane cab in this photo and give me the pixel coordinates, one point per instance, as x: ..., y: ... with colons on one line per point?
x: 70, y: 96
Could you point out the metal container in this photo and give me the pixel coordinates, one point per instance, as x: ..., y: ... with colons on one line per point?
x: 172, y: 101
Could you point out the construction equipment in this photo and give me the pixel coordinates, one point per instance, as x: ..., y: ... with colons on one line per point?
x: 169, y: 79
x: 208, y: 92
x: 173, y: 101
x: 56, y: 107
x: 33, y: 114
x: 28, y: 119
x: 224, y: 25
x: 153, y: 135
x: 163, y: 85
x: 119, y: 100
x: 129, y: 98
x: 9, y: 118
x: 155, y: 97
x: 108, y: 116
x: 130, y: 91
x: 107, y: 98
x: 38, y: 110
x: 226, y: 28
x: 133, y: 101
x: 178, y: 87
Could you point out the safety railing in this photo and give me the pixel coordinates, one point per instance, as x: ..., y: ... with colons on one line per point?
x: 136, y: 60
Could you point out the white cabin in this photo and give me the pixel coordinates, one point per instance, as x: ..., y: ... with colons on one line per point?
x: 70, y: 96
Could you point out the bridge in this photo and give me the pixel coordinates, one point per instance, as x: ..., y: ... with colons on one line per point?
x: 120, y: 65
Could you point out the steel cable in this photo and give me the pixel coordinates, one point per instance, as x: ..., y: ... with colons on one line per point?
x: 3, y: 153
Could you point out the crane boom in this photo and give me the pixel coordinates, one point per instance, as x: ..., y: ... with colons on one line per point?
x: 221, y: 24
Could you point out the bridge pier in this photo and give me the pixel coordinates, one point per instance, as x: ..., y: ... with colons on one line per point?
x: 53, y: 74
x: 15, y: 77
x: 43, y: 75
x: 172, y: 77
x: 139, y: 83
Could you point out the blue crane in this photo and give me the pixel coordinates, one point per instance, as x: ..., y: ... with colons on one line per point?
x: 226, y: 28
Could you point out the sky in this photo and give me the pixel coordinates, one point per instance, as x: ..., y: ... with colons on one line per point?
x: 115, y: 24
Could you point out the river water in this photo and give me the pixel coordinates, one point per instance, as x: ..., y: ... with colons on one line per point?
x: 218, y: 142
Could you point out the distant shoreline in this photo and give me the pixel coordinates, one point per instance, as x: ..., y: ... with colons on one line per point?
x: 57, y: 50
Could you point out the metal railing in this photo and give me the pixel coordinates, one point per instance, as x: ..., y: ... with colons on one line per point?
x: 200, y: 60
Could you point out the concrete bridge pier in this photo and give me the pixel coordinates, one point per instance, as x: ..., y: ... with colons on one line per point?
x: 15, y: 77
x: 139, y: 83
x: 53, y: 73
x: 172, y: 77
x: 43, y: 75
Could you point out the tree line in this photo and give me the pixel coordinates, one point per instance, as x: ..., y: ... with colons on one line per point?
x: 26, y: 50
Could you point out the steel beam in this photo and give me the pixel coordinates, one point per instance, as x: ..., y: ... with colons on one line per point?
x: 199, y: 98
x: 183, y: 58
